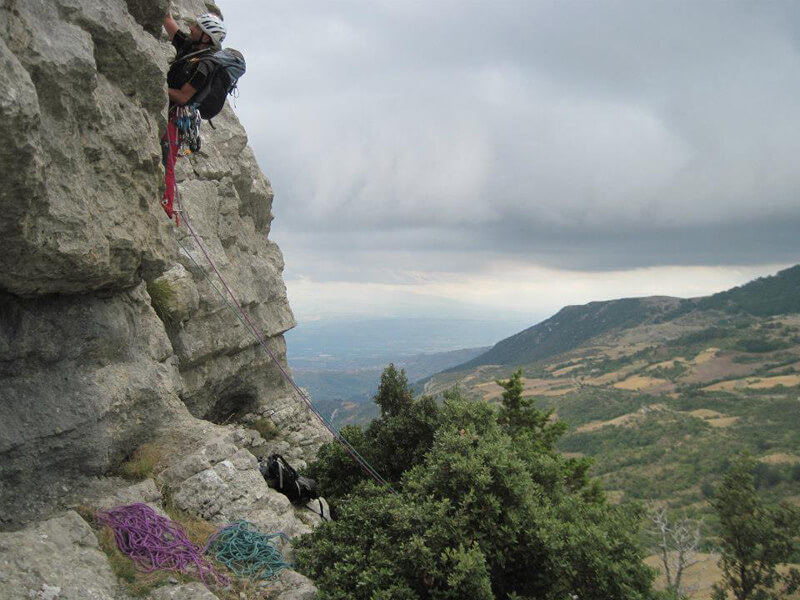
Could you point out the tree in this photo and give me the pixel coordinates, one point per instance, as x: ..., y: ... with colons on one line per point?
x: 393, y: 443
x: 394, y: 393
x: 519, y: 415
x: 480, y: 514
x: 755, y: 539
x: 335, y: 470
x: 677, y: 542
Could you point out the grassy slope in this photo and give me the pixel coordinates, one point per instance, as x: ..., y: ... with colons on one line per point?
x: 568, y: 329
x: 663, y: 398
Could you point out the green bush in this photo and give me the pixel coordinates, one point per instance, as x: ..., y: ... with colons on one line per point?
x: 141, y: 463
x: 489, y: 510
x: 760, y: 345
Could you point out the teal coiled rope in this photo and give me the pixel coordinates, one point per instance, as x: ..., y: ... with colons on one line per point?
x: 246, y: 552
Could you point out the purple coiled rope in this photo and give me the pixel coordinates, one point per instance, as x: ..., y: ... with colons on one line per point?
x: 156, y: 543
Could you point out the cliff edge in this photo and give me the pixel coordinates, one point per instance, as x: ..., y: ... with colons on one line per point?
x: 112, y: 335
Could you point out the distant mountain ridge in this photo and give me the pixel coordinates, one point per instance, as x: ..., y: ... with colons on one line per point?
x: 661, y: 393
x: 778, y: 294
x: 567, y: 329
x: 570, y: 327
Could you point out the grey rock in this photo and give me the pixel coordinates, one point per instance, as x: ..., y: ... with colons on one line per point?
x: 220, y: 482
x: 145, y: 491
x: 89, y: 370
x: 179, y: 297
x: 291, y: 585
x: 83, y: 382
x: 189, y: 591
x: 149, y: 14
x: 58, y: 558
x: 83, y: 218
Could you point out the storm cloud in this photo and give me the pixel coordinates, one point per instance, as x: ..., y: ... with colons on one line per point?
x: 449, y: 136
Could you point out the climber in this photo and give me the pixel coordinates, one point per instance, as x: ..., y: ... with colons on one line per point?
x: 187, y: 76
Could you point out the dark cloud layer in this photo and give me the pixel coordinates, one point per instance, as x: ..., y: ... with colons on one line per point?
x: 579, y: 135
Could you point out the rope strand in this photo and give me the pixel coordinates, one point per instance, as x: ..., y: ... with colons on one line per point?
x: 246, y: 552
x: 155, y: 543
x: 248, y: 323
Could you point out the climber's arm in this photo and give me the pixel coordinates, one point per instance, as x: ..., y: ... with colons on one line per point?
x: 170, y: 25
x: 183, y: 95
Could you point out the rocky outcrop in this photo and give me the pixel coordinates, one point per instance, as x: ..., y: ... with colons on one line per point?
x: 57, y: 559
x: 113, y: 331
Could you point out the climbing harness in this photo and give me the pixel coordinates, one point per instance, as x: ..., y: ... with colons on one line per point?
x: 234, y: 305
x: 155, y: 543
x: 246, y: 552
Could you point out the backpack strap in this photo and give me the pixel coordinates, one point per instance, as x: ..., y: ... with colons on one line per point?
x: 186, y: 57
x: 198, y: 98
x: 321, y: 512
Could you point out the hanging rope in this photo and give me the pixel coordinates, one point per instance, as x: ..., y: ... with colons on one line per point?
x: 244, y: 318
x: 156, y: 543
x: 246, y: 552
x: 360, y: 460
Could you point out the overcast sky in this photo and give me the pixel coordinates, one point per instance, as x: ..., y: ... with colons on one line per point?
x: 492, y: 158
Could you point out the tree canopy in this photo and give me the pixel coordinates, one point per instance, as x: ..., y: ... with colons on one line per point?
x: 484, y: 507
x: 755, y: 539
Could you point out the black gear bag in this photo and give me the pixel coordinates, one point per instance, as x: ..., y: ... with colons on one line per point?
x: 280, y: 475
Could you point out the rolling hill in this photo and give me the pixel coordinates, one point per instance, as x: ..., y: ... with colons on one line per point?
x: 662, y: 392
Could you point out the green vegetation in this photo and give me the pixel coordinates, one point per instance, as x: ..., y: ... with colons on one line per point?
x: 760, y: 345
x: 704, y: 336
x: 484, y: 507
x: 674, y: 372
x: 766, y: 296
x: 754, y: 540
x: 161, y: 296
x: 266, y: 428
x: 673, y: 456
x: 568, y: 329
x: 141, y: 463
x: 596, y: 404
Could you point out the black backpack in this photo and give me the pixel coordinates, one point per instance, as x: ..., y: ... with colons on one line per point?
x: 228, y: 68
x: 280, y: 475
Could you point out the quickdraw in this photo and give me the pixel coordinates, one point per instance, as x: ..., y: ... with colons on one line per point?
x: 188, y: 123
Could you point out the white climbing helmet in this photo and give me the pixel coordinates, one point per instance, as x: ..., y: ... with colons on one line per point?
x: 212, y: 26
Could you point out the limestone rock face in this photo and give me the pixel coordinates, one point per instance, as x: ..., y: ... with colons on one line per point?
x: 189, y: 591
x: 84, y: 381
x: 221, y: 483
x: 57, y: 559
x: 113, y: 329
x: 83, y: 84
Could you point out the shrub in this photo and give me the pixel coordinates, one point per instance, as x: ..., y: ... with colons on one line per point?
x: 266, y: 428
x: 161, y: 296
x: 141, y: 463
x: 760, y: 345
x: 488, y: 510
